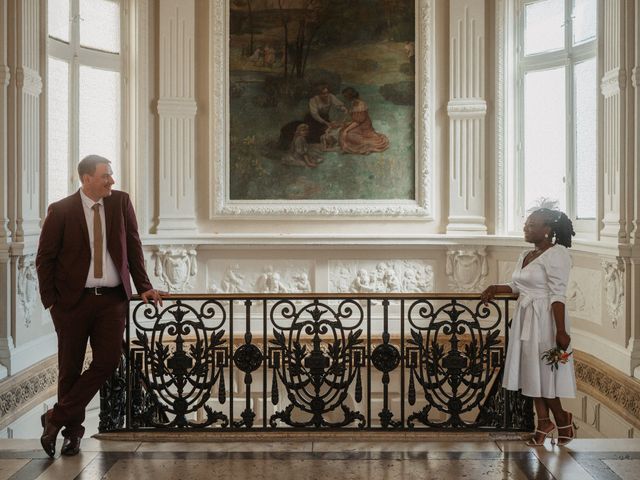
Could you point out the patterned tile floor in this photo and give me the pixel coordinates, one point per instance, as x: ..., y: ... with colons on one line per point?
x: 584, y: 459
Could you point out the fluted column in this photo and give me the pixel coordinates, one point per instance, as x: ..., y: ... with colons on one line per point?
x: 467, y: 109
x: 24, y: 93
x: 5, y: 234
x: 613, y: 86
x: 176, y: 111
x: 21, y: 140
x: 635, y: 239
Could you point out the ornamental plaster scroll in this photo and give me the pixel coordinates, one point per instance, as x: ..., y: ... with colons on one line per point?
x: 467, y: 268
x: 256, y: 276
x: 382, y: 276
x: 584, y: 294
x: 176, y: 266
x: 613, y: 82
x: 220, y: 203
x: 27, y: 286
x: 614, y: 288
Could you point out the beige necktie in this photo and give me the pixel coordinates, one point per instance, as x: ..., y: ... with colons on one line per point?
x: 97, y: 241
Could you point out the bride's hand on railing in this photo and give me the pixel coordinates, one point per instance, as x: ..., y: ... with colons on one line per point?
x: 487, y: 295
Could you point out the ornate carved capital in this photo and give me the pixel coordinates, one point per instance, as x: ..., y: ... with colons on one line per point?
x: 613, y: 82
x: 466, y: 108
x: 29, y: 80
x: 5, y: 75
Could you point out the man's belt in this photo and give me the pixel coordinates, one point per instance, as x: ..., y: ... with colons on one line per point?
x: 102, y: 290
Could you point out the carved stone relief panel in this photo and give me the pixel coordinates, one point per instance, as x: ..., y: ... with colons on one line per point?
x: 27, y: 286
x: 379, y: 276
x: 584, y: 299
x: 176, y: 266
x: 614, y: 288
x: 505, y: 271
x: 259, y: 276
x: 467, y: 268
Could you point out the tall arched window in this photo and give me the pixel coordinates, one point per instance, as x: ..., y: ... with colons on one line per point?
x: 84, y: 88
x: 556, y: 98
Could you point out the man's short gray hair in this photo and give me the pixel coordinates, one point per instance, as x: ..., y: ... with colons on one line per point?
x: 88, y: 164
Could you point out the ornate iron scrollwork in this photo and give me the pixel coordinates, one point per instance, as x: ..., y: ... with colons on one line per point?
x: 451, y: 358
x: 179, y: 380
x: 113, y: 399
x: 316, y: 361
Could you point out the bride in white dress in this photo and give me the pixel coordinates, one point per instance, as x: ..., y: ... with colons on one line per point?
x: 539, y: 323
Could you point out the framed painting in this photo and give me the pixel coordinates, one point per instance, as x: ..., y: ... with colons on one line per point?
x: 321, y: 107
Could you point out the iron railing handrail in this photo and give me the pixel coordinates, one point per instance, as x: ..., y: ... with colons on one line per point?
x: 328, y: 296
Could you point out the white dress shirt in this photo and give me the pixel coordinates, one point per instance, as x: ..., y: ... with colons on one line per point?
x: 110, y: 276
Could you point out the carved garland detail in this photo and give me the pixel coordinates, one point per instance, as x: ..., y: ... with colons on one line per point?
x: 614, y: 393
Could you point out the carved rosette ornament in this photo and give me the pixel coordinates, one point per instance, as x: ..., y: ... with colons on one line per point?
x: 614, y: 288
x: 467, y: 268
x: 175, y: 266
x: 27, y: 286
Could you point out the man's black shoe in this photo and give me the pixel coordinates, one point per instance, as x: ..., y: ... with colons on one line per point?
x: 49, y: 434
x: 71, y: 446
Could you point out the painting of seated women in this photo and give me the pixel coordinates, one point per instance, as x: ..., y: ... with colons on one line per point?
x: 358, y: 135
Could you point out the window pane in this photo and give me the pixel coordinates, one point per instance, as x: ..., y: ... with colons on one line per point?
x: 544, y: 26
x: 586, y: 88
x: 544, y: 137
x: 585, y: 15
x: 58, y: 129
x: 100, y: 115
x: 58, y: 19
x: 100, y: 24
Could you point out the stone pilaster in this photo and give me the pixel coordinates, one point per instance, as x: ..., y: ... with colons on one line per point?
x: 613, y: 86
x: 467, y: 109
x: 176, y: 111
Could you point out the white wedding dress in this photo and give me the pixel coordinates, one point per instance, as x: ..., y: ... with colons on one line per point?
x: 533, y: 329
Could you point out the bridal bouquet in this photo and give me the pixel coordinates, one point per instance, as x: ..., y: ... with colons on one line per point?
x: 556, y: 356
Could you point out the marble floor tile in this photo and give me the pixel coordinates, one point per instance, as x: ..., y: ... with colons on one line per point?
x: 225, y: 447
x: 415, y: 446
x: 604, y: 445
x: 94, y: 445
x: 521, y: 446
x: 10, y: 466
x: 233, y: 469
x: 67, y: 467
x: 10, y: 444
x: 625, y: 469
x: 561, y: 464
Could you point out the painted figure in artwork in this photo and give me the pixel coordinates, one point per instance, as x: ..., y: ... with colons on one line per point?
x: 300, y: 153
x: 359, y: 136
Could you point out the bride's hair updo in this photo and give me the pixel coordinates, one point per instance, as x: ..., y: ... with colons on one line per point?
x: 560, y: 224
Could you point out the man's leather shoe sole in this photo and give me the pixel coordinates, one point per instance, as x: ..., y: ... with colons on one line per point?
x: 71, y: 446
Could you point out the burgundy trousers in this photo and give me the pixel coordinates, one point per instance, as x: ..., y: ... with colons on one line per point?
x: 99, y: 319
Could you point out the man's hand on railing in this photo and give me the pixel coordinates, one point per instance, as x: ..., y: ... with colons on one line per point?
x: 153, y: 295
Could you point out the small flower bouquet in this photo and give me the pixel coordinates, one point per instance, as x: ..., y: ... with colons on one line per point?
x: 556, y: 356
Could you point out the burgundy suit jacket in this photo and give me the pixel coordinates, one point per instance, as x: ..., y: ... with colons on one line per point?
x: 64, y: 253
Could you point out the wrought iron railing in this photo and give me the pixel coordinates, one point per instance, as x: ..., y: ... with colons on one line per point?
x: 366, y: 361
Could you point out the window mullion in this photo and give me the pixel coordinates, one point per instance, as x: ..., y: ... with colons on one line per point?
x: 570, y: 194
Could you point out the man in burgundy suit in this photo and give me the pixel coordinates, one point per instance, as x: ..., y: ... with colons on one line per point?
x: 89, y: 246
